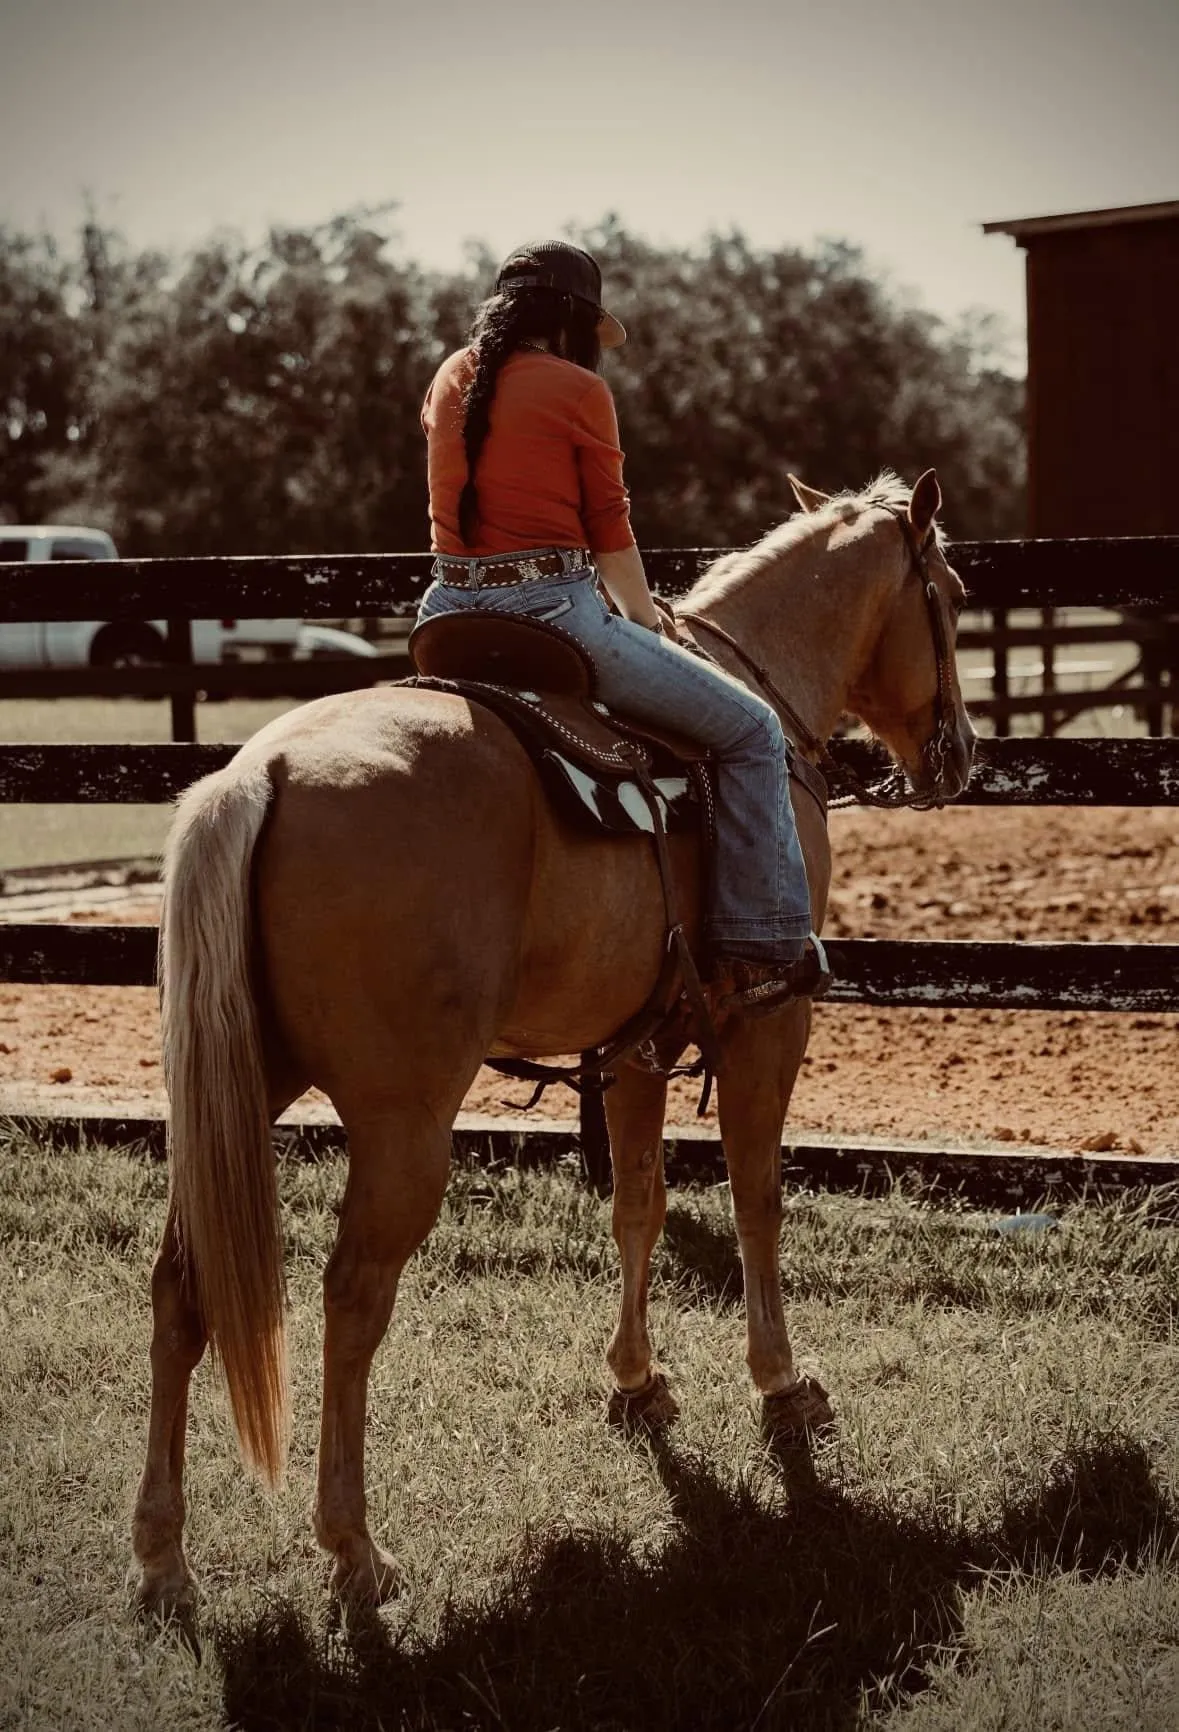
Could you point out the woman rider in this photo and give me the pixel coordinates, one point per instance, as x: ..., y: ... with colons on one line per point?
x: 528, y: 510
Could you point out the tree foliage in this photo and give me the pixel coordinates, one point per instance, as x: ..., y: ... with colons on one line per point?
x: 252, y: 400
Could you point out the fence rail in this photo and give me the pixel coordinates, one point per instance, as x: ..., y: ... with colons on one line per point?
x: 1012, y: 772
x: 927, y: 973
x: 989, y: 1178
x: 1134, y: 574
x: 1138, y: 575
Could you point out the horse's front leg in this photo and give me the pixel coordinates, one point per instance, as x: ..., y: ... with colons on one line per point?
x: 760, y: 1063
x: 398, y: 1166
x: 635, y: 1108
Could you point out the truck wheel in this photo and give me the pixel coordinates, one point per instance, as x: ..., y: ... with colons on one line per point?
x: 127, y: 646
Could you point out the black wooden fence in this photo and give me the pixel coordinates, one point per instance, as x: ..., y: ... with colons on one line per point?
x: 1148, y: 684
x: 1128, y: 573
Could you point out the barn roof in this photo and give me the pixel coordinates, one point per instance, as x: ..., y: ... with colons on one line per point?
x: 1019, y: 227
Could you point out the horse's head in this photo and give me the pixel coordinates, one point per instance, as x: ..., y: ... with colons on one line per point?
x: 907, y: 690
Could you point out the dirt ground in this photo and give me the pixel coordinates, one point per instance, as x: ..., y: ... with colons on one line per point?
x: 1066, y: 1081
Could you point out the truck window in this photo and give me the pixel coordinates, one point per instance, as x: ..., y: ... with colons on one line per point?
x: 11, y: 549
x: 73, y: 547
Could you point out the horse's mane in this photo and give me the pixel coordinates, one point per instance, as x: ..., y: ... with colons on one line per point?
x: 734, y: 568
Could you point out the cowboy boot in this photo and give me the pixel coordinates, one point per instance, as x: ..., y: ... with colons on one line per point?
x: 759, y: 988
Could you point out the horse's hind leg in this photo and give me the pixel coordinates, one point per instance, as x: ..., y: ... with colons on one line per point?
x: 635, y: 1108
x: 166, y: 1587
x: 398, y: 1165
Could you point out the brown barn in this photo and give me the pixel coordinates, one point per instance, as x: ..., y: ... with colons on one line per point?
x: 1103, y: 369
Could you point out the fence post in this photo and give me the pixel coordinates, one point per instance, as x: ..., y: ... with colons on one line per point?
x: 1048, y: 669
x: 999, y: 674
x: 183, y: 703
x: 1154, y: 658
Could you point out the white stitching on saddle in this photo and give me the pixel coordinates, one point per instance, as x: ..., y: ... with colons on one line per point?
x: 704, y: 780
x: 613, y: 757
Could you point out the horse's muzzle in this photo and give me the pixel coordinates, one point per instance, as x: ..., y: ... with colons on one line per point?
x: 945, y: 766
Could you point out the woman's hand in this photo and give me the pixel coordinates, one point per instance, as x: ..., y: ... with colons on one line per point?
x: 626, y: 584
x: 668, y: 622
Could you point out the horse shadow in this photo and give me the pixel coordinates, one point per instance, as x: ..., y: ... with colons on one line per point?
x: 701, y: 1256
x: 794, y: 1610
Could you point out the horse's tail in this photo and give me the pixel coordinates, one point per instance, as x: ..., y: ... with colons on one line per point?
x: 224, y: 1190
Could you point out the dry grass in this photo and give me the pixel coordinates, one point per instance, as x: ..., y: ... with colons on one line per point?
x: 988, y: 1542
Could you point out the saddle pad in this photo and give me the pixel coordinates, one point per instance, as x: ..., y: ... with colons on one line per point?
x: 616, y: 803
x: 586, y: 761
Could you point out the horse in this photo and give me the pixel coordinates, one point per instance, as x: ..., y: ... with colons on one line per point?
x: 374, y: 895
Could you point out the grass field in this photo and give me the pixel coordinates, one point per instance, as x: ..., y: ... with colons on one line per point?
x: 988, y: 1542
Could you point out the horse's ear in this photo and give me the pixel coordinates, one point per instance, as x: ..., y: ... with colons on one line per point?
x: 808, y: 497
x: 925, y: 503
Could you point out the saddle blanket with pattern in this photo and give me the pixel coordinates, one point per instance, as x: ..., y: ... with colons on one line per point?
x: 585, y: 757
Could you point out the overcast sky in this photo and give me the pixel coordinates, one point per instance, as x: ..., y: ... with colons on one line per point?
x: 900, y: 125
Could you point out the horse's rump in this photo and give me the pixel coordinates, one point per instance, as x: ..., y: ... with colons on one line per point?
x: 413, y: 882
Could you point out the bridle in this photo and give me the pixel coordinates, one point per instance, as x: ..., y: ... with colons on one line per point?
x: 938, y: 748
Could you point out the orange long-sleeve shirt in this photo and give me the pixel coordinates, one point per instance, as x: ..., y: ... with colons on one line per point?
x: 550, y: 472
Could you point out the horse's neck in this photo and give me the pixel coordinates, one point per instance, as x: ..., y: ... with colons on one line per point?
x: 809, y: 617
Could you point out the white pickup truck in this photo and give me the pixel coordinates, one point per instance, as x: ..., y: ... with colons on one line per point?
x: 131, y: 643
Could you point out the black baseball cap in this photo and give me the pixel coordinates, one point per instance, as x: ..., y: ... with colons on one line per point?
x: 561, y: 266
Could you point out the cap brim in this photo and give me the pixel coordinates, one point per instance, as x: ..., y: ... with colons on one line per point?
x: 611, y: 332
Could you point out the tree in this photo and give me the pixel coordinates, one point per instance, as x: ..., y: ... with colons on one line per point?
x: 46, y: 369
x: 254, y: 400
x: 267, y: 400
x: 746, y: 366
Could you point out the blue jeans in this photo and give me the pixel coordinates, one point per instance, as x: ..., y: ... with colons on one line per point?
x: 759, y: 904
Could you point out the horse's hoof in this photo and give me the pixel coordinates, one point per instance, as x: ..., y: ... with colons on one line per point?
x: 651, y: 1408
x: 361, y: 1583
x: 795, y: 1415
x: 169, y: 1602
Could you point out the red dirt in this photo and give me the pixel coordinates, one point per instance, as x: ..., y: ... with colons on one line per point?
x: 1068, y: 1081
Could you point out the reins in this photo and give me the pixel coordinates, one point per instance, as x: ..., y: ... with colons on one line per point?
x: 891, y: 794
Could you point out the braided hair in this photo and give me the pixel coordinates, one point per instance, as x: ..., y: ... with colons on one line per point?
x: 505, y: 322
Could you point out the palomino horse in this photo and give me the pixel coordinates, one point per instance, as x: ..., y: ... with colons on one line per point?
x: 374, y: 895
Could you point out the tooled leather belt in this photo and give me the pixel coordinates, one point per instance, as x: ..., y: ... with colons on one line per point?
x: 497, y: 573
